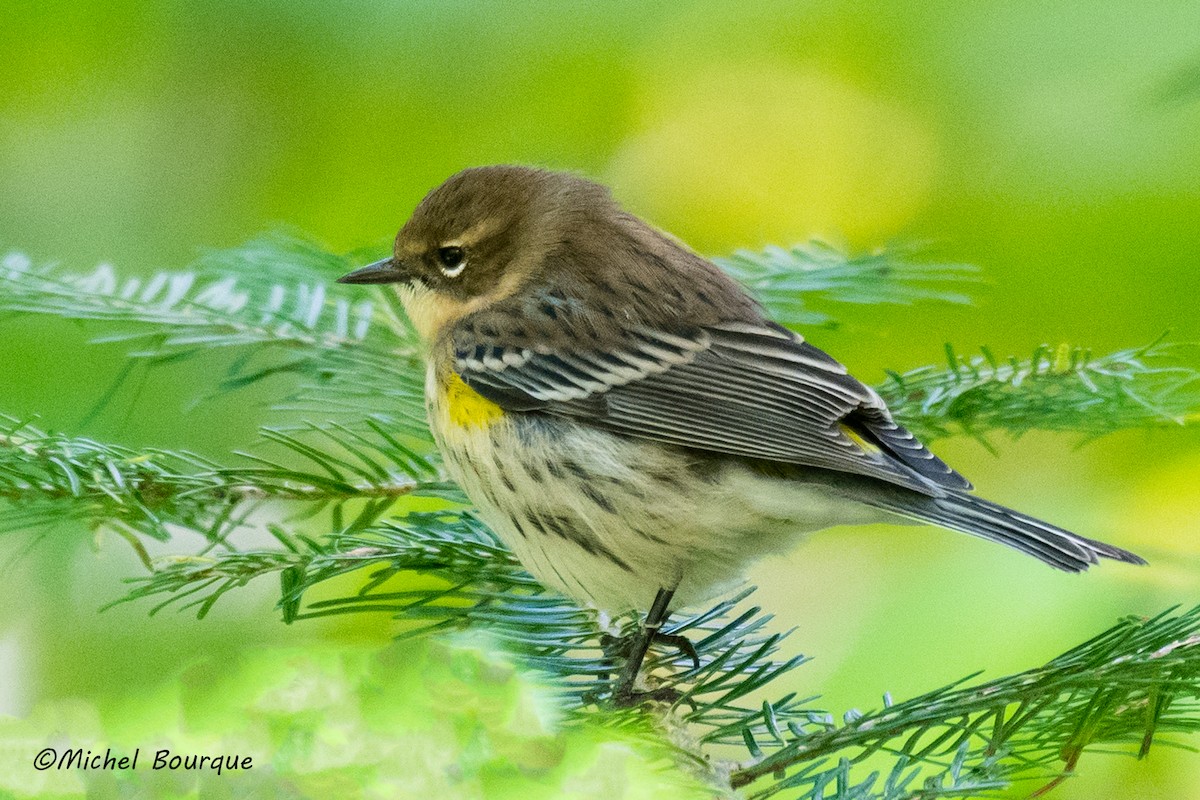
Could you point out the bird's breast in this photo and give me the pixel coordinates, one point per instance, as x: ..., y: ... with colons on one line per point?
x: 608, y: 519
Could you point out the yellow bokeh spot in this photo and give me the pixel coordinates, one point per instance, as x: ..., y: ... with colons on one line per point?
x: 1160, y: 514
x: 744, y: 155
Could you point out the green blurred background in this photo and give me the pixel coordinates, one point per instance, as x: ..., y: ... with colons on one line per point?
x: 1054, y: 144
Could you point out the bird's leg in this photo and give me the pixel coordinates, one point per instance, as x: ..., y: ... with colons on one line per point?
x: 625, y: 694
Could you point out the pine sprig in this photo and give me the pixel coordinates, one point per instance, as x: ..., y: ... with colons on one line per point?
x: 1138, y: 680
x: 49, y: 478
x: 1066, y: 389
x: 787, y: 280
x: 273, y: 299
x: 272, y: 290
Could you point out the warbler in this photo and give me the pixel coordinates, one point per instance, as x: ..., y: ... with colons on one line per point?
x: 629, y: 421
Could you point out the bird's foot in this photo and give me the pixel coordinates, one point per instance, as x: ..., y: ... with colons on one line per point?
x: 630, y: 649
x: 623, y: 646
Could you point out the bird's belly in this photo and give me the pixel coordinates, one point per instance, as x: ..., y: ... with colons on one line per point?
x: 609, y: 520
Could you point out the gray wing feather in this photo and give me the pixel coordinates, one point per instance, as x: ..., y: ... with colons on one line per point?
x: 737, y: 388
x: 966, y: 513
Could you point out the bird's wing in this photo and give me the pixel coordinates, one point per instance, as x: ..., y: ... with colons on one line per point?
x: 748, y: 389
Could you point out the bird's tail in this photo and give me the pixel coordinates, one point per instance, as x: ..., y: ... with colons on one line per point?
x: 963, y: 512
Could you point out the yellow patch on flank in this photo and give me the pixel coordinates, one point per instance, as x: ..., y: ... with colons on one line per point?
x: 467, y: 407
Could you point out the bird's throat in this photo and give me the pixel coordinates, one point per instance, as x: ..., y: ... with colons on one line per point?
x: 428, y: 312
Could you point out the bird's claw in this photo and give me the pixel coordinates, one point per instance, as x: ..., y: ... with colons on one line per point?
x: 621, y: 646
x: 680, y: 643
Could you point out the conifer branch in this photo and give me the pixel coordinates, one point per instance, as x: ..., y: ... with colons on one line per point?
x: 272, y: 290
x: 47, y: 478
x: 1135, y: 681
x: 1065, y: 389
x: 787, y: 280
x: 273, y: 299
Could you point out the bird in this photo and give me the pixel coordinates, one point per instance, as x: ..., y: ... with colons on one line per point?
x: 630, y: 421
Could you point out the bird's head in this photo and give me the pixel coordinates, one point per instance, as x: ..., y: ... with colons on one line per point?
x: 480, y: 236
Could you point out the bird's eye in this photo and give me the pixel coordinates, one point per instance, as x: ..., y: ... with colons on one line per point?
x: 452, y: 258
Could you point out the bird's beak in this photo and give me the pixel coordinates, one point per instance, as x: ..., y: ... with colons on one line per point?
x: 387, y: 270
